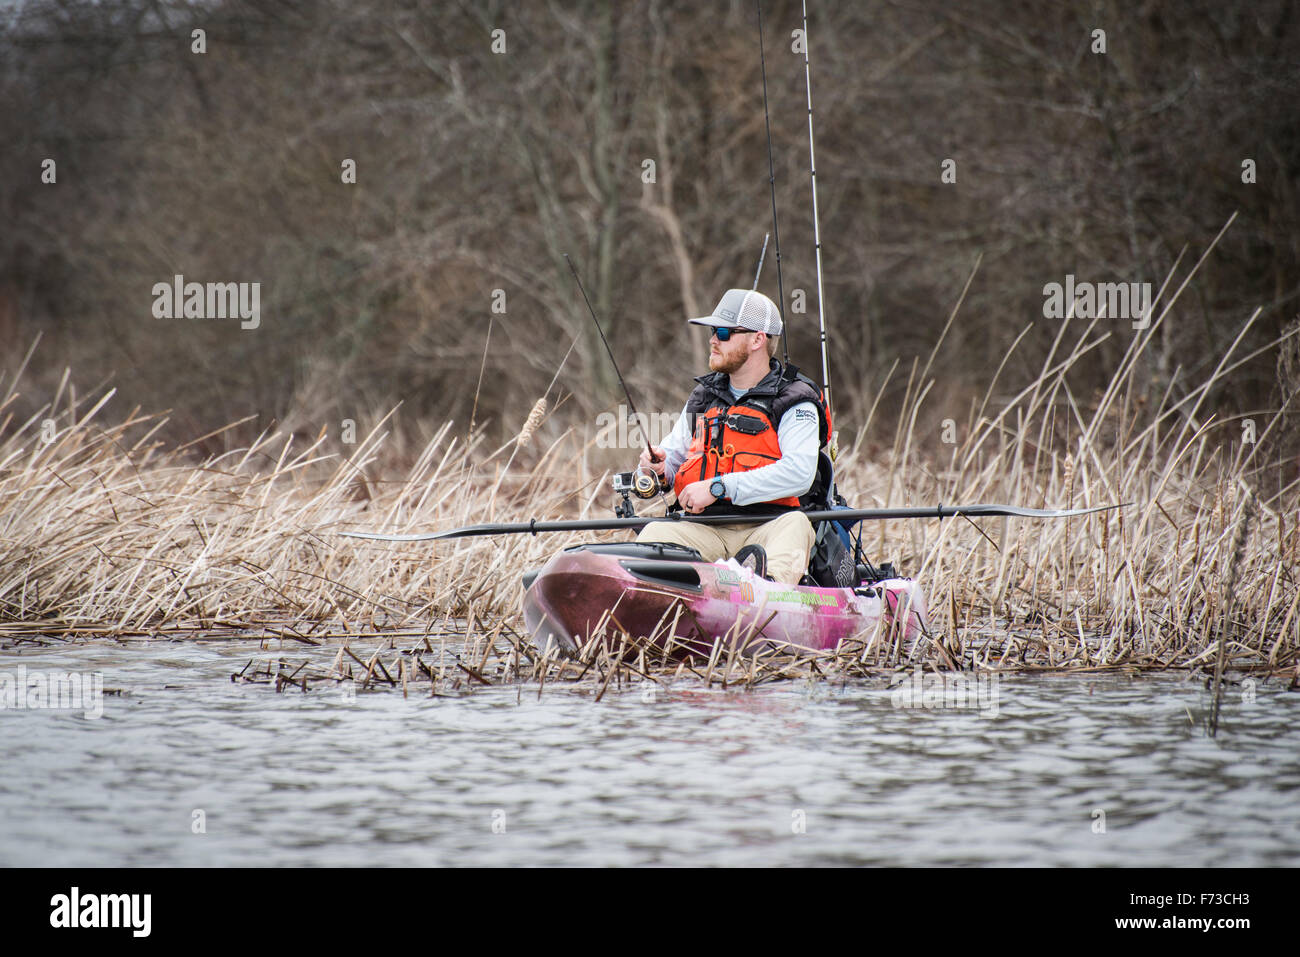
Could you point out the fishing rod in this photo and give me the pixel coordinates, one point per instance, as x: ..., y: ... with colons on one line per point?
x: 817, y: 236
x: 761, y: 256
x: 643, y: 484
x: 771, y: 181
x: 853, y: 515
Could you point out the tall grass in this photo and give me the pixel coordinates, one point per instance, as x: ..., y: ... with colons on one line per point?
x: 106, y: 532
x: 1199, y: 557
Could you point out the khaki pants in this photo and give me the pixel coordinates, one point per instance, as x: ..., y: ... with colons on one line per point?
x: 787, y: 539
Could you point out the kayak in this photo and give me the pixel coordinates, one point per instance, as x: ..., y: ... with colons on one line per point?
x: 683, y: 606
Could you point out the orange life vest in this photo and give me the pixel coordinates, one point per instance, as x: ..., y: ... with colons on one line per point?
x: 737, y: 435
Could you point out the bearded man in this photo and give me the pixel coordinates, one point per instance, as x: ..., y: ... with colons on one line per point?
x: 746, y: 442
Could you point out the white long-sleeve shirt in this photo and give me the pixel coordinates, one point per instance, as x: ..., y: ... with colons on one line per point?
x: 791, y: 475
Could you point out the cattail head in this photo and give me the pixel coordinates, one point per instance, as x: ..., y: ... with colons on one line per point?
x: 534, y: 420
x: 1022, y: 538
x: 1240, y: 533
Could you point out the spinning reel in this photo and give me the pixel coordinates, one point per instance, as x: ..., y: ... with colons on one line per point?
x: 643, y: 483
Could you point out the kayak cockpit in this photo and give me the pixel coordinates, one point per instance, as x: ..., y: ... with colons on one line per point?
x: 657, y: 562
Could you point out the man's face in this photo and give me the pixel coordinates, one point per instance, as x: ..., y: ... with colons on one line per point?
x: 729, y: 356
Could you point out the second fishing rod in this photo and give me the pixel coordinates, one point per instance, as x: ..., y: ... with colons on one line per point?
x: 771, y: 178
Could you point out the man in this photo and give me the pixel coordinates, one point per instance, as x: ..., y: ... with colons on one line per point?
x: 747, y: 441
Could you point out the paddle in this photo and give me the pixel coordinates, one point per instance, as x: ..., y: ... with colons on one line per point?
x: 828, y: 515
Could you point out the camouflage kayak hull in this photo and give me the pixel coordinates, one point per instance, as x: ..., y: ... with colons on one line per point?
x: 684, y: 607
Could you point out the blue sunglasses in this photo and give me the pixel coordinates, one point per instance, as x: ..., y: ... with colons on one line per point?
x: 724, y: 333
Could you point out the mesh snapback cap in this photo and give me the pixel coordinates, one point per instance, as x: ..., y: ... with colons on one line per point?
x: 744, y: 308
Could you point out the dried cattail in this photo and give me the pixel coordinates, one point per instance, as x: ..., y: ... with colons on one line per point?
x: 1240, y: 534
x: 1021, y: 555
x: 534, y: 420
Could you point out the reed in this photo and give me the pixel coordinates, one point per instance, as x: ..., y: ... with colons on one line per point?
x: 104, y: 532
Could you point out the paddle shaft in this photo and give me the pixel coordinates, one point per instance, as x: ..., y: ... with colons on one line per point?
x: 535, y: 527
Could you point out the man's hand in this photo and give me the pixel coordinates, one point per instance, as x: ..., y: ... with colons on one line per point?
x: 695, y: 498
x: 657, y: 466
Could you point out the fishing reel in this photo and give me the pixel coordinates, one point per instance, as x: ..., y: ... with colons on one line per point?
x: 642, y: 482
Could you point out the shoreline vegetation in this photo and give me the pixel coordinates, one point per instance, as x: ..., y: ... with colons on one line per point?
x: 395, y: 186
x: 106, y: 533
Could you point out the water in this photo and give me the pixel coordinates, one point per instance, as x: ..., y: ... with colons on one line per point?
x: 797, y: 774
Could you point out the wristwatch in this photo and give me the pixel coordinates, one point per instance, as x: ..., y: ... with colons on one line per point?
x: 717, y: 489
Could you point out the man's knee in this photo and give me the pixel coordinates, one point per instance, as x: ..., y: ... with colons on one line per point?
x: 792, y: 527
x: 788, y: 540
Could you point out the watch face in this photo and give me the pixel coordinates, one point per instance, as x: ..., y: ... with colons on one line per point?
x: 717, y: 489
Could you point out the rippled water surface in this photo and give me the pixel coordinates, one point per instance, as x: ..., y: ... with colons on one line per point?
x: 784, y: 775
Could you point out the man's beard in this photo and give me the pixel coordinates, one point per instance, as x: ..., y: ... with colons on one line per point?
x: 721, y: 363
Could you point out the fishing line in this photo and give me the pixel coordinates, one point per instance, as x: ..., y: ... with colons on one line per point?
x: 636, y: 416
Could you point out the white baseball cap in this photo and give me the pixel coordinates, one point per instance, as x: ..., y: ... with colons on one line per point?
x: 746, y: 309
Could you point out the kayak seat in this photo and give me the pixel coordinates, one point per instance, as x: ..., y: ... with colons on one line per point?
x: 753, y: 557
x: 820, y: 494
